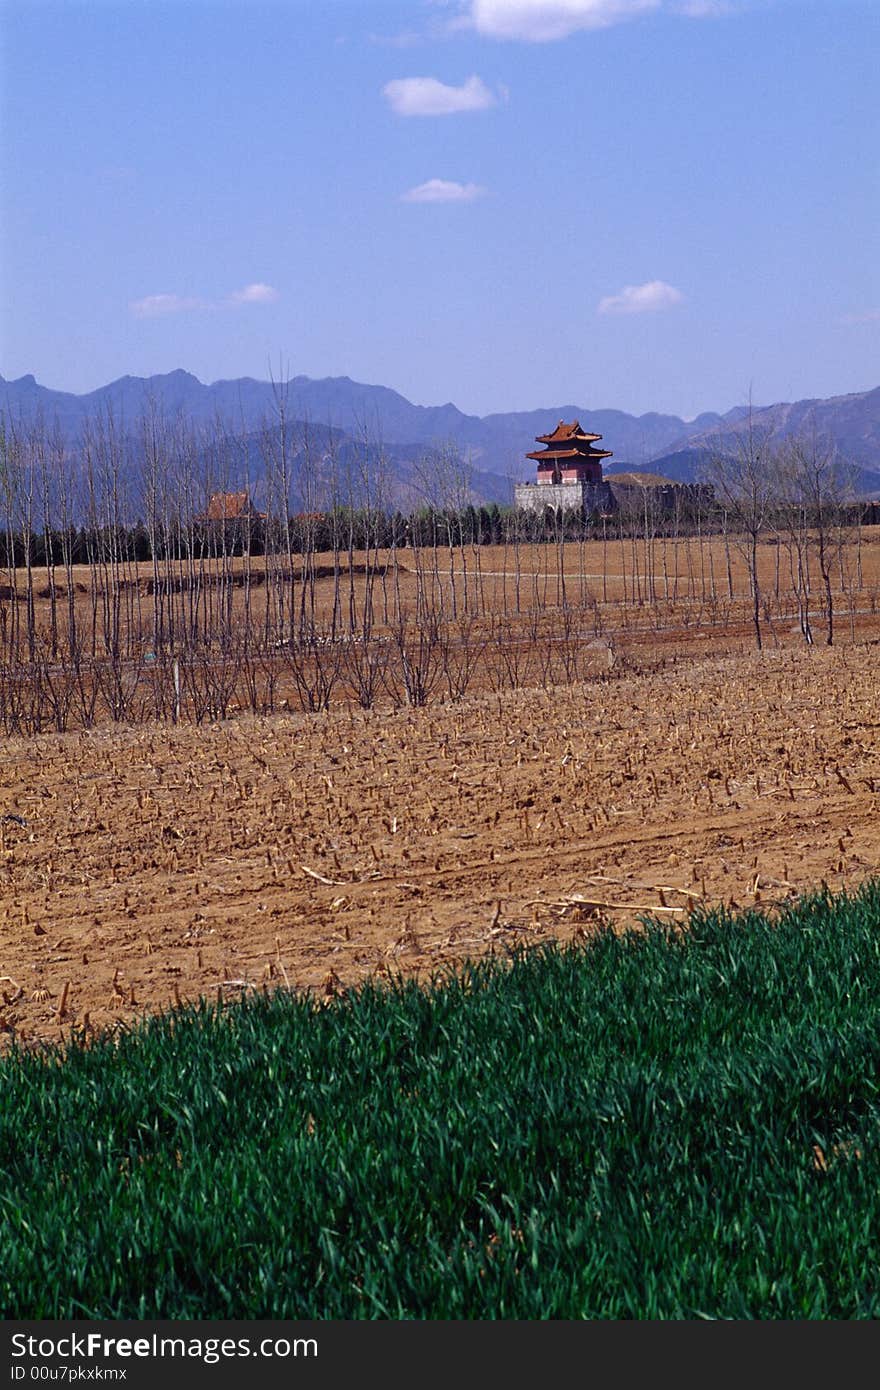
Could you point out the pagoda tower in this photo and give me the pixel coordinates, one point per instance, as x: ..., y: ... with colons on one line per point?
x: 569, y: 456
x: 569, y: 474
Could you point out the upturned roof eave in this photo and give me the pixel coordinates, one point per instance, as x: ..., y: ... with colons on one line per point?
x: 550, y: 454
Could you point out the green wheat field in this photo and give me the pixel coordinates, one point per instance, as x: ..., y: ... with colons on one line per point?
x: 666, y: 1124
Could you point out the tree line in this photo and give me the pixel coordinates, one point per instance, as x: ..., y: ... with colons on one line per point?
x: 118, y: 594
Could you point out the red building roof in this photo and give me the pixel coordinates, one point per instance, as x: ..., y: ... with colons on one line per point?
x: 563, y: 433
x: 229, y: 506
x: 569, y: 442
x: 571, y: 453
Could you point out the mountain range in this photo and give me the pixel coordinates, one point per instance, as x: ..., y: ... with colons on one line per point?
x: 494, y: 445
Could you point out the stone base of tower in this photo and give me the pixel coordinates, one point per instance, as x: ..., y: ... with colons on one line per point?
x: 581, y: 497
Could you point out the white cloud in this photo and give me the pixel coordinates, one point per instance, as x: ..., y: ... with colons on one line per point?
x: 869, y: 316
x: 542, y: 21
x: 254, y: 294
x: 641, y: 299
x: 155, y: 306
x: 426, y: 96
x: 443, y: 191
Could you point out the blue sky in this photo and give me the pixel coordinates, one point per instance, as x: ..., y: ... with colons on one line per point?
x: 643, y: 204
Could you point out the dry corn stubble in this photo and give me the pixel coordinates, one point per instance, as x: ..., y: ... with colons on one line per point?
x: 160, y: 858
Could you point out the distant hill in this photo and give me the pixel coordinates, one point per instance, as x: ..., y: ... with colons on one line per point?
x: 494, y: 445
x: 849, y: 425
x: 497, y: 443
x: 683, y: 466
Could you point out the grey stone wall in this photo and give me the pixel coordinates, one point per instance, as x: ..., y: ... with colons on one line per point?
x: 566, y: 497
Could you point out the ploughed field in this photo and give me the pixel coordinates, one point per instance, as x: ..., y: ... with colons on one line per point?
x: 146, y: 865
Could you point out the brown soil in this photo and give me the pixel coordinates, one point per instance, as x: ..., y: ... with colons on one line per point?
x: 159, y: 864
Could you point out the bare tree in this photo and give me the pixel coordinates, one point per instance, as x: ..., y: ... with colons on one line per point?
x: 821, y: 484
x: 741, y: 473
x: 792, y: 516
